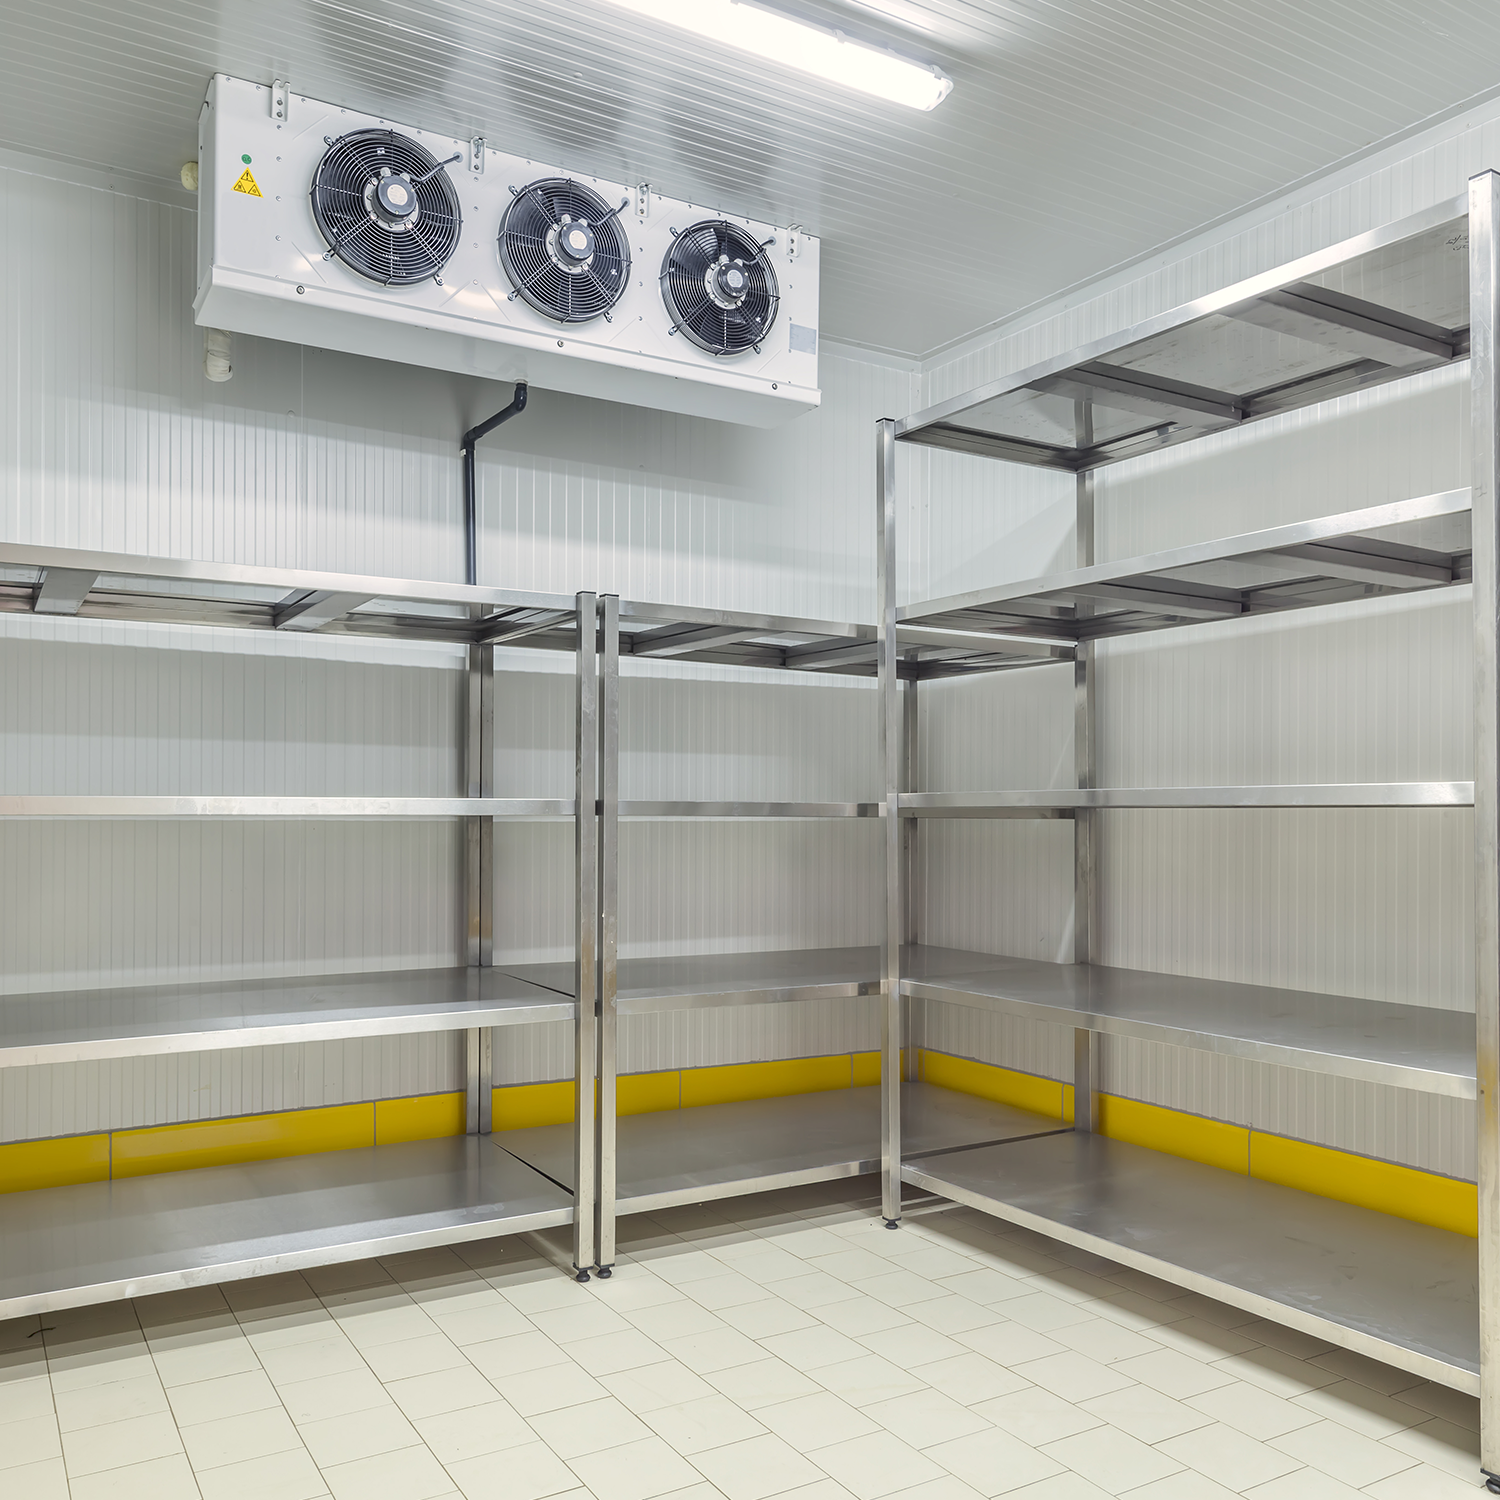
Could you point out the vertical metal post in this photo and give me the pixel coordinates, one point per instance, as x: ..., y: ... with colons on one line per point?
x: 890, y: 753
x: 1484, y: 335
x: 911, y: 872
x: 586, y: 922
x: 479, y: 877
x: 1085, y: 822
x: 609, y: 918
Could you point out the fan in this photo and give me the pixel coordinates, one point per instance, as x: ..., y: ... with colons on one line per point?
x: 719, y: 287
x: 562, y: 247
x: 386, y: 207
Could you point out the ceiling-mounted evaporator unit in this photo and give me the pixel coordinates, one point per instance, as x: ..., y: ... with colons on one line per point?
x: 323, y: 226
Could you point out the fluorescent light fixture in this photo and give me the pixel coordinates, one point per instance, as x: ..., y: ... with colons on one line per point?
x: 802, y: 45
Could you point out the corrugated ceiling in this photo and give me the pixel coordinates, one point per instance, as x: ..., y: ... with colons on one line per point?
x: 1079, y: 133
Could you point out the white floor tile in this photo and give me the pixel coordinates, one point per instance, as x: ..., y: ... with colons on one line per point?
x: 875, y: 1466
x: 1441, y: 1444
x: 1010, y: 1343
x: 1145, y: 1413
x: 46, y: 1479
x: 114, y: 1401
x: 993, y: 1462
x: 440, y: 1391
x: 970, y: 1378
x: 1305, y: 1484
x: 231, y: 1440
x: 1281, y: 1374
x: 769, y: 1316
x: 653, y: 1386
x: 1442, y: 1401
x: 808, y: 1348
x: 762, y: 1382
x: 1249, y: 1409
x: 1039, y: 1416
x: 114, y: 1445
x: 474, y: 1431
x: 709, y: 1422
x: 1229, y: 1457
x: 287, y: 1363
x: 641, y: 1470
x: 407, y: 1474
x: 476, y: 1324
x: 340, y: 1440
x: 515, y: 1355
x: 954, y: 1315
x: 1186, y: 1484
x: 1351, y: 1404
x: 1112, y: 1459
x: 1103, y: 1340
x: 1425, y: 1483
x: 549, y: 1389
x: 866, y: 1380
x: 718, y: 1349
x: 1351, y: 1456
x: 1074, y: 1376
x: 532, y: 1472
x: 164, y: 1478
x: 28, y: 1441
x: 912, y: 1344
x: 757, y: 1468
x: 922, y: 1418
x: 329, y: 1396
x: 1347, y: 1365
x: 1203, y: 1339
x: 609, y: 1353
x: 859, y: 1315
x: 1175, y: 1374
x: 809, y: 1422
x: 279, y: 1476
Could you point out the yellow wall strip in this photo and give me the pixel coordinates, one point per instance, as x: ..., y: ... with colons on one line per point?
x: 1043, y: 1096
x: 422, y: 1118
x: 520, y: 1106
x: 1213, y: 1142
x: 647, y: 1093
x: 217, y: 1143
x: 765, y: 1080
x: 69, y: 1158
x: 1406, y: 1192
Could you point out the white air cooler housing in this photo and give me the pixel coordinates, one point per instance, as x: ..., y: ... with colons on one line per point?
x: 263, y: 270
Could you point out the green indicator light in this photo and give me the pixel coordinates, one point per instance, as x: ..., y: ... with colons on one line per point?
x: 246, y: 160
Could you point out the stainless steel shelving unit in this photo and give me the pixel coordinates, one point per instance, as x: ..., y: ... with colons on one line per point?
x: 67, y: 1246
x: 650, y: 1161
x: 1411, y: 296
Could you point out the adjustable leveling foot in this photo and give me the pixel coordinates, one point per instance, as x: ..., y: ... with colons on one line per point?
x: 893, y: 1223
x: 583, y: 1275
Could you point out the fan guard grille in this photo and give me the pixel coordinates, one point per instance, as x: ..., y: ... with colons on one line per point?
x: 341, y: 204
x: 557, y: 286
x: 707, y: 319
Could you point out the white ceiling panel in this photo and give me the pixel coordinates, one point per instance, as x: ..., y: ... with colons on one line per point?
x: 1079, y: 134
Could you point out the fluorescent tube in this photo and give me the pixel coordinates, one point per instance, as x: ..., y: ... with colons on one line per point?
x: 799, y: 44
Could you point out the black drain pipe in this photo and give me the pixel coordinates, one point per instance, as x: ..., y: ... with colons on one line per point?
x: 471, y: 518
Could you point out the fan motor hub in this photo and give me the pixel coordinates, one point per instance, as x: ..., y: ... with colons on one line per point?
x: 570, y: 243
x: 728, y: 283
x: 391, y: 199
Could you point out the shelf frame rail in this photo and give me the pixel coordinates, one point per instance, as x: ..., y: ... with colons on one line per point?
x: 1484, y: 325
x: 609, y: 927
x: 1086, y: 1043
x: 893, y: 919
x: 586, y: 940
x: 479, y: 877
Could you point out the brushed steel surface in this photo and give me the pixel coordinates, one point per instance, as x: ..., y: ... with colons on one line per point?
x: 700, y: 981
x: 1408, y: 1046
x: 141, y: 1021
x: 1484, y: 292
x: 1396, y: 1291
x: 676, y: 1156
x: 101, y: 1241
x: 1417, y: 543
x: 638, y: 809
x: 1175, y: 376
x: 284, y: 807
x: 1339, y: 794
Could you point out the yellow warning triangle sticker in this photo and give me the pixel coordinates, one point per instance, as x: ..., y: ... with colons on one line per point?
x: 247, y: 184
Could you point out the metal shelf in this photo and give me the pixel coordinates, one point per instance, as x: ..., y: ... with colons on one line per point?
x: 1406, y: 1046
x: 1064, y: 801
x: 1400, y: 548
x: 102, y: 1241
x: 706, y: 981
x: 1396, y: 1291
x: 737, y: 810
x: 356, y: 808
x: 141, y: 1021
x: 678, y: 1156
x: 1375, y: 308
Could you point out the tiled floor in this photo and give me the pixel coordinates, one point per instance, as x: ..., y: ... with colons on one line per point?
x: 785, y: 1345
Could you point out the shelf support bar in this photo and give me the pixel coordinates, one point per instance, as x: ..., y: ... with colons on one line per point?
x: 586, y: 952
x: 911, y: 872
x: 1086, y: 1044
x: 893, y: 922
x: 1484, y: 334
x: 479, y: 875
x: 609, y: 919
